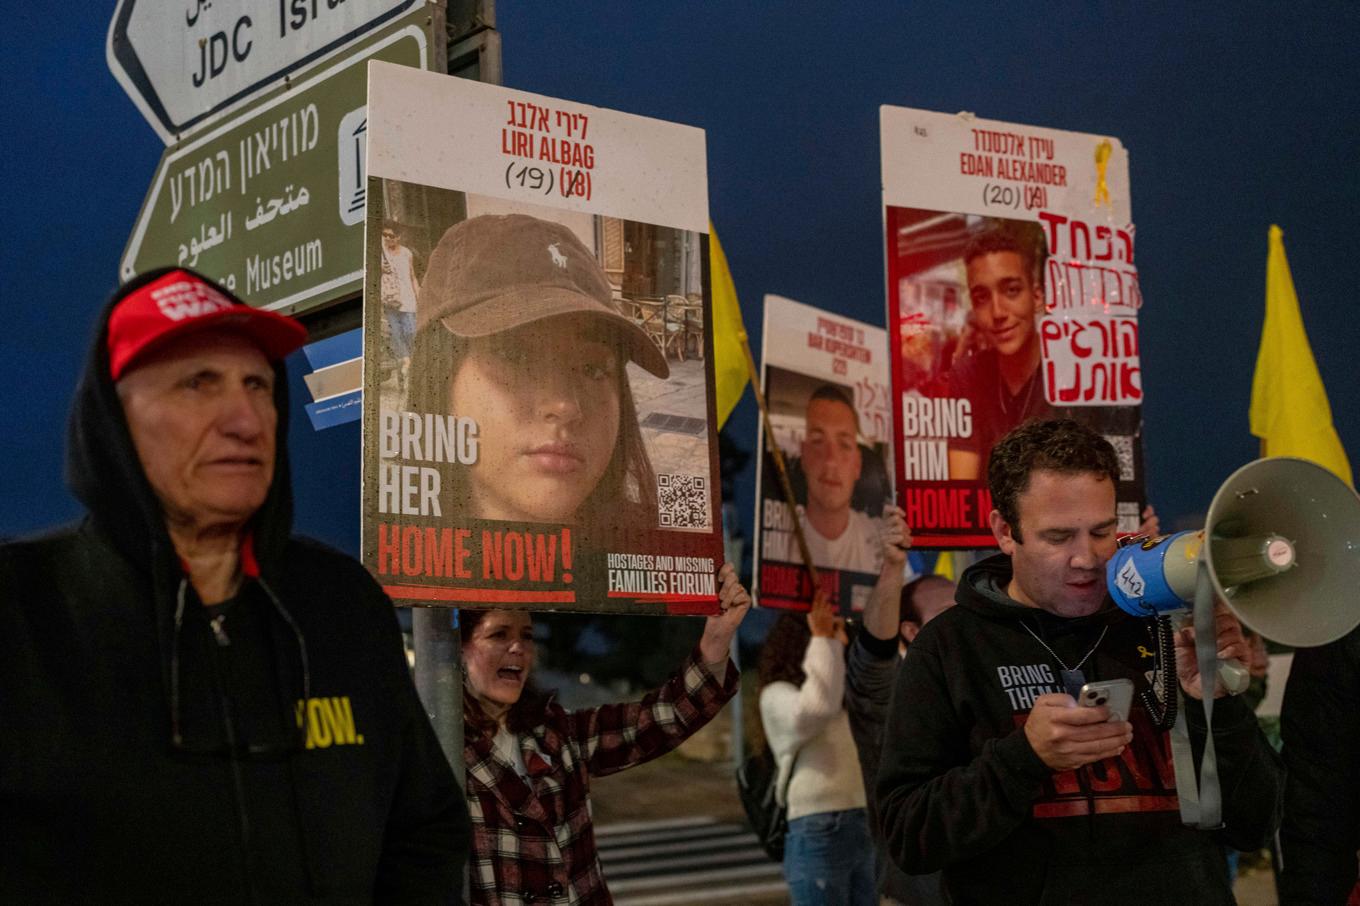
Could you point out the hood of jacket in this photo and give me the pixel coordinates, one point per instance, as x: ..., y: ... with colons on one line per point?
x: 982, y: 590
x: 105, y: 474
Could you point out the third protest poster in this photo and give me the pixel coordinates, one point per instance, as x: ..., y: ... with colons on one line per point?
x: 826, y: 387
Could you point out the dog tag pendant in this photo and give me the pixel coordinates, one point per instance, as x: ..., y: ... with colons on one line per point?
x: 1072, y: 681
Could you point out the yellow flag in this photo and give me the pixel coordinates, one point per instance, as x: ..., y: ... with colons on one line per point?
x: 1289, y: 409
x: 944, y: 566
x: 729, y: 333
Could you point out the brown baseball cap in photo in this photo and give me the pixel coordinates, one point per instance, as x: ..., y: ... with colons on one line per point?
x: 497, y: 272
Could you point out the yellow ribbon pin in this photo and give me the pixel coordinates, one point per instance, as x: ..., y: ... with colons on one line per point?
x: 1143, y: 652
x: 1103, y: 152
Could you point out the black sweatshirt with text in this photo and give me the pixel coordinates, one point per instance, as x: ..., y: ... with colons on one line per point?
x: 304, y: 769
x: 960, y: 788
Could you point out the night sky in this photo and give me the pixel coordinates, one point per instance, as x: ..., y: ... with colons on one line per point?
x: 1232, y: 121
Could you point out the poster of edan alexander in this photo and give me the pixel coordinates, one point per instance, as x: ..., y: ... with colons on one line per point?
x: 1012, y: 294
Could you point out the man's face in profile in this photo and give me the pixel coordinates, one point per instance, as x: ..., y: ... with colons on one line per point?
x: 1005, y: 300
x: 831, y: 457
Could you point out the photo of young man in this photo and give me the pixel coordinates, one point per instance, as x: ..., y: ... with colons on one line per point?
x: 838, y: 536
x: 1000, y: 374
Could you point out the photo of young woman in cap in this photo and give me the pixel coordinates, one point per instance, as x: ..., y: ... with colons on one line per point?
x: 519, y: 331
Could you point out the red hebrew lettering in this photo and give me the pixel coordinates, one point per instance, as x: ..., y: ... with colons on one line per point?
x: 1127, y: 239
x: 1130, y: 290
x: 1110, y: 287
x: 1103, y: 237
x: 1052, y: 222
x: 1076, y: 278
x: 1085, y: 234
x: 1058, y: 293
x: 1125, y: 329
x: 1050, y: 331
x: 1074, y: 331
x: 1062, y: 394
x: 1099, y: 373
x: 1131, y: 381
x: 1106, y: 329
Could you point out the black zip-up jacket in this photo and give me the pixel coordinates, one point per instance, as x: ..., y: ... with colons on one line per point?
x: 345, y: 797
x: 960, y: 788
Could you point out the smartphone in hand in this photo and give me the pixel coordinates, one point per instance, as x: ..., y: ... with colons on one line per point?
x: 1117, y: 695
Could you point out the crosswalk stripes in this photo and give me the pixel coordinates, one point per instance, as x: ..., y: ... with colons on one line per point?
x: 686, y: 860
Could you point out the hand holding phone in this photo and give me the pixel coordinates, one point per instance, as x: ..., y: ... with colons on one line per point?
x: 1117, y: 695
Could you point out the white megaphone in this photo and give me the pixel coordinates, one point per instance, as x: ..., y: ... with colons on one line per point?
x: 1281, y: 545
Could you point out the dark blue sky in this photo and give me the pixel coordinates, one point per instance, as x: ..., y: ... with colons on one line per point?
x: 1232, y: 120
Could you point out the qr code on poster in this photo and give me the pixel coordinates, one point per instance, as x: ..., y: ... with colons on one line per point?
x: 1128, y: 516
x: 682, y: 501
x: 1123, y: 449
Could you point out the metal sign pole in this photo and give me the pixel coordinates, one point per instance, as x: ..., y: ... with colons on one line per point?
x: 437, y: 641
x: 439, y: 680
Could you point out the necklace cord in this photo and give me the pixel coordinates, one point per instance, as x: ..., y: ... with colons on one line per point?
x: 1061, y: 662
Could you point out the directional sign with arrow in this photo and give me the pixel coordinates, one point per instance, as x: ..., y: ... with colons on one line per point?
x: 186, y: 62
x: 271, y: 202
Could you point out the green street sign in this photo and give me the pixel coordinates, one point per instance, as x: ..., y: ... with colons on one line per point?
x: 271, y: 202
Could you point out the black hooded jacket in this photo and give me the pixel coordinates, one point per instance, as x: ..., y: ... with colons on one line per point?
x: 960, y: 788
x: 345, y: 797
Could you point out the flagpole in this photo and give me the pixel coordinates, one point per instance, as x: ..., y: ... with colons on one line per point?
x: 780, y: 468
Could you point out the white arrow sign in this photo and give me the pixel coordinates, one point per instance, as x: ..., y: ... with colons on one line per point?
x: 185, y: 62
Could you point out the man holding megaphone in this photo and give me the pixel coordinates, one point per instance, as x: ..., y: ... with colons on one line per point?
x: 1015, y: 758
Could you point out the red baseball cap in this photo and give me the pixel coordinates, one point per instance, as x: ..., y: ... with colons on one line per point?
x: 180, y: 302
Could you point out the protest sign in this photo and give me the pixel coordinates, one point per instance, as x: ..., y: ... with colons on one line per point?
x: 826, y: 387
x: 539, y: 416
x: 1012, y: 294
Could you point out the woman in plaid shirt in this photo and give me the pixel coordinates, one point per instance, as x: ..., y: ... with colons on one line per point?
x: 529, y: 761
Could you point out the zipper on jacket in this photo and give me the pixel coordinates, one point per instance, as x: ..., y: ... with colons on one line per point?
x: 224, y: 690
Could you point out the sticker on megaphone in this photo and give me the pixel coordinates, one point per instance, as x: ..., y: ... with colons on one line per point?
x: 1156, y: 576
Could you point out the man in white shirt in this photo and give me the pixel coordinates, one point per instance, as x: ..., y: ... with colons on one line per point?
x: 399, y: 288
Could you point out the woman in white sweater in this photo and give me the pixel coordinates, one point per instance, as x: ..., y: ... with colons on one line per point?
x: 828, y: 856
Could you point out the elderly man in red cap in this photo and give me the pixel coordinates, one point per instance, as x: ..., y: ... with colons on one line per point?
x: 195, y: 705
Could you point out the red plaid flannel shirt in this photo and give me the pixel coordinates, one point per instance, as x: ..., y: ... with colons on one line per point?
x: 533, y: 841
